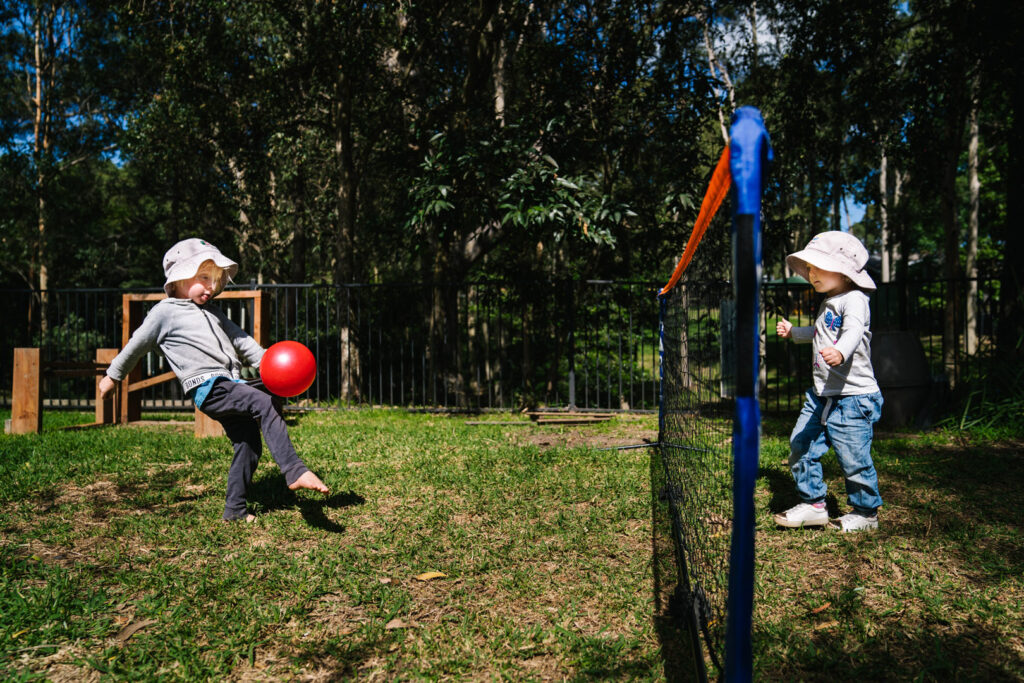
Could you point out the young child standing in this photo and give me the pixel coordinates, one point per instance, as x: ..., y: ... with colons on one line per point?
x: 845, y: 402
x: 202, y: 347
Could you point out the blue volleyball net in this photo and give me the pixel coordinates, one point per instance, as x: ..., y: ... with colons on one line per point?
x: 709, y: 417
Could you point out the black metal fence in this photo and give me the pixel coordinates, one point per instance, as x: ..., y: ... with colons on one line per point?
x: 483, y: 345
x: 916, y: 306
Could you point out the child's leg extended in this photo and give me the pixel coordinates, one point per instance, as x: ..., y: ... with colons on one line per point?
x: 807, y: 444
x: 850, y: 429
x: 228, y: 398
x: 245, y: 437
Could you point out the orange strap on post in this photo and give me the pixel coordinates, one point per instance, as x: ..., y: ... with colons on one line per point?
x: 721, y: 179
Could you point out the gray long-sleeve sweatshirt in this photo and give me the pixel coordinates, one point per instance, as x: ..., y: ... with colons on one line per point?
x: 199, y: 342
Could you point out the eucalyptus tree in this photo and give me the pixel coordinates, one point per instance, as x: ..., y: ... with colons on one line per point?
x: 565, y: 136
x: 57, y: 116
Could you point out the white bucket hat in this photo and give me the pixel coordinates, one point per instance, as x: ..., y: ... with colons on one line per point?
x: 838, y: 252
x: 182, y: 261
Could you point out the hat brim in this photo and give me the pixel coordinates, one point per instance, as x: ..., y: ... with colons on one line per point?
x: 189, y: 267
x: 798, y: 264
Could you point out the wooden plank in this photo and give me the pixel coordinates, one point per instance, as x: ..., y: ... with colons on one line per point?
x: 151, y: 381
x: 131, y: 318
x: 73, y: 372
x: 105, y: 413
x: 160, y: 296
x: 26, y: 392
x: 94, y: 366
x: 260, y: 318
x: 240, y: 294
x: 90, y: 425
x: 573, y: 421
x: 131, y: 401
x: 148, y: 296
x: 206, y: 426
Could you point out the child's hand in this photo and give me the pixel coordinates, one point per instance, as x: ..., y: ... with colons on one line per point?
x: 832, y: 356
x: 784, y: 328
x: 106, y: 385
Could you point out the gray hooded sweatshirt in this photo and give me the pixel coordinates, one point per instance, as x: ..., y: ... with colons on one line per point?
x: 199, y: 343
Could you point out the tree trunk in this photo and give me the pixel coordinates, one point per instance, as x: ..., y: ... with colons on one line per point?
x: 972, y: 231
x: 952, y: 270
x: 345, y: 243
x: 837, y: 194
x: 44, y: 66
x: 883, y: 214
x: 714, y: 66
x: 901, y: 250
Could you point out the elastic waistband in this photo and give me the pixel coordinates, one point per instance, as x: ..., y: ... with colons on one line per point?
x: 192, y: 382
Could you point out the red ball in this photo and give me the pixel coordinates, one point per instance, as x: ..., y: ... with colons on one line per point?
x: 288, y: 368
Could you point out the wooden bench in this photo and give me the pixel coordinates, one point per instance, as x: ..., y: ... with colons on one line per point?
x: 124, y: 406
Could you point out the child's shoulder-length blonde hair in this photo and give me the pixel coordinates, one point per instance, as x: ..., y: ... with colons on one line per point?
x: 216, y: 273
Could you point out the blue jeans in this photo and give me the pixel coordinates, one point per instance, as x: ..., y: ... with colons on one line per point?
x: 846, y: 424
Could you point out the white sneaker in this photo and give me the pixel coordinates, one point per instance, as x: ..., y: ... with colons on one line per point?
x: 855, y: 522
x: 802, y: 515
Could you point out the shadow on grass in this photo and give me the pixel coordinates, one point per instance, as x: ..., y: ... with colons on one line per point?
x: 272, y: 493
x: 676, y: 642
x: 783, y: 492
x: 927, y: 653
x: 344, y: 659
x: 602, y: 659
x: 950, y: 526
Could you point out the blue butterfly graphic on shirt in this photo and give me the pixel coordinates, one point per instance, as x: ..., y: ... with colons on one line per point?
x: 833, y: 322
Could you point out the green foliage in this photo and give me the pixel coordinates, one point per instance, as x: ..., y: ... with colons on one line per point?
x: 507, y: 180
x: 371, y: 142
x: 991, y: 403
x: 73, y: 340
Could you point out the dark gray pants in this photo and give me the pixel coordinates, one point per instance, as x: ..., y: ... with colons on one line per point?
x: 244, y: 411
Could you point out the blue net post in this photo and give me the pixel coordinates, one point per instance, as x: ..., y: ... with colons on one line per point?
x: 748, y: 156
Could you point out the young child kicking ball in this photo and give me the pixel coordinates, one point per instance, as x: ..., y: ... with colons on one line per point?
x: 203, y: 347
x: 845, y: 402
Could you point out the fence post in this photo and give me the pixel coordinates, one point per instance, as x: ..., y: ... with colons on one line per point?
x: 206, y: 425
x: 131, y: 406
x: 572, y: 345
x: 106, y: 408
x: 26, y: 392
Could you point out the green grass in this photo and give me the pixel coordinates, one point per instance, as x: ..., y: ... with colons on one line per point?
x: 936, y: 594
x: 545, y: 550
x: 553, y: 568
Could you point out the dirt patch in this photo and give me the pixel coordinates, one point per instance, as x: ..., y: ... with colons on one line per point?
x: 615, y: 434
x: 59, y: 666
x: 333, y: 613
x: 102, y: 493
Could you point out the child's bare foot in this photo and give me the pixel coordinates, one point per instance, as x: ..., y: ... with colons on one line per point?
x: 248, y: 519
x: 309, y: 481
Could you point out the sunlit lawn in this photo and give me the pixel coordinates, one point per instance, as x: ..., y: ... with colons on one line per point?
x: 114, y: 564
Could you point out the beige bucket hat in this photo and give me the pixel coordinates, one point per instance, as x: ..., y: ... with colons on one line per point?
x: 182, y: 261
x: 839, y: 252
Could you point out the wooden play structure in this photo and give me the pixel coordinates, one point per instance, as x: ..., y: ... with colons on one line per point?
x: 124, y: 406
